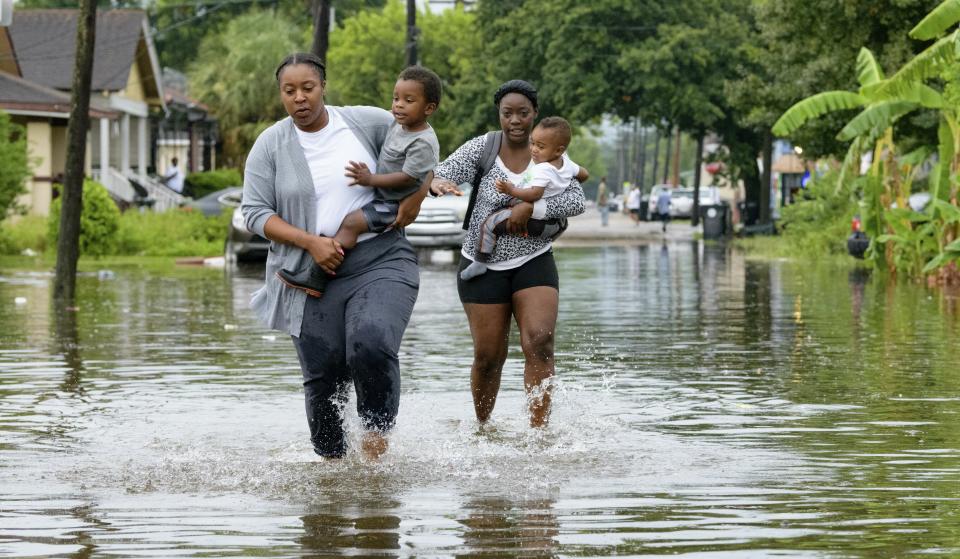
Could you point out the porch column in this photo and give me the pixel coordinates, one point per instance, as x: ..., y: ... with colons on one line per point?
x: 142, y: 146
x: 125, y: 143
x: 104, y: 148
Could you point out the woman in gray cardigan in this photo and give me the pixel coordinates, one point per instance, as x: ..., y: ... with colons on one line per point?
x: 295, y: 194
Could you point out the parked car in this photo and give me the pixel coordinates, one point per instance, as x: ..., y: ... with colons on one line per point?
x: 440, y: 223
x: 216, y: 202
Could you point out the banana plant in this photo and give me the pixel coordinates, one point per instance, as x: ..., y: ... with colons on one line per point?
x: 919, y: 243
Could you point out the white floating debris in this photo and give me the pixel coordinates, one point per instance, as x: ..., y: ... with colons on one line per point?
x: 229, y: 326
x: 269, y: 337
x: 105, y: 274
x: 20, y: 301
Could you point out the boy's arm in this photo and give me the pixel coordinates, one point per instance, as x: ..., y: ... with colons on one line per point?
x: 529, y: 194
x: 360, y: 173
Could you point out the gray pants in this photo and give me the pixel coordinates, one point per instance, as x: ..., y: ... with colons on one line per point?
x: 352, y: 335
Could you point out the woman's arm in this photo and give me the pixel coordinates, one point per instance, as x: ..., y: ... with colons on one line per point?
x: 568, y: 203
x: 459, y: 167
x: 410, y: 206
x: 326, y: 252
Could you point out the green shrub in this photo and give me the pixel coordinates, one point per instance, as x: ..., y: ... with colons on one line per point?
x: 819, y: 222
x: 28, y: 232
x: 201, y: 184
x: 98, y: 222
x: 179, y: 232
x: 14, y: 165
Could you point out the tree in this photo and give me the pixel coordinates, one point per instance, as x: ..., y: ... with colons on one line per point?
x: 366, y: 55
x: 15, y: 168
x: 68, y: 244
x: 234, y: 73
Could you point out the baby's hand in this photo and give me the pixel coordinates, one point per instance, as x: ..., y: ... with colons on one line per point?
x: 359, y: 172
x: 503, y: 186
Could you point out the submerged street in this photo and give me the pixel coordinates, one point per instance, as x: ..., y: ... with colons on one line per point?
x: 705, y: 403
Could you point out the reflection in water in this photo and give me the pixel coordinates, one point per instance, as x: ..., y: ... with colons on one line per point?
x: 499, y: 527
x: 705, y: 404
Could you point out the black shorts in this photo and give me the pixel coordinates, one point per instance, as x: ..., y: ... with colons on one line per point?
x: 498, y: 286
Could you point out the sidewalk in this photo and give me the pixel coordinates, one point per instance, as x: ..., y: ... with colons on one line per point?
x: 585, y: 229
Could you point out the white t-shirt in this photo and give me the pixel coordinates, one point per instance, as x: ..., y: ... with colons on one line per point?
x: 553, y: 180
x: 174, y: 178
x: 328, y: 151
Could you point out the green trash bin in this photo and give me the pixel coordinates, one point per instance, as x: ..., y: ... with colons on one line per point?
x: 714, y: 218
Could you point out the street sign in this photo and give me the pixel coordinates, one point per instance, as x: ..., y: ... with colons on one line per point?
x: 6, y: 13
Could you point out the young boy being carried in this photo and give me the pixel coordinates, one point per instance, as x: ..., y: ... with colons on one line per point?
x: 550, y: 176
x: 410, y: 151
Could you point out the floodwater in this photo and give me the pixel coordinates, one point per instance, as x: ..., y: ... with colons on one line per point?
x: 707, y: 406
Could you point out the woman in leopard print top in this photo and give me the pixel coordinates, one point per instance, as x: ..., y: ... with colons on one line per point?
x: 522, y: 280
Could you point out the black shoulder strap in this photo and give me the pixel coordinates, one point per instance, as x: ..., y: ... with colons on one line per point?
x: 489, y: 156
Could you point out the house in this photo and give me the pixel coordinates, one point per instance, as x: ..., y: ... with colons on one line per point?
x: 188, y: 131
x: 126, y: 92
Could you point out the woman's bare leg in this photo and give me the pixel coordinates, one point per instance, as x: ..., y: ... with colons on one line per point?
x: 490, y: 328
x: 536, y: 311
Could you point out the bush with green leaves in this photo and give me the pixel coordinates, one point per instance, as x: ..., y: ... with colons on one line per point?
x: 14, y: 164
x: 99, y: 221
x: 179, y: 232
x: 27, y: 232
x: 819, y: 221
x: 201, y: 184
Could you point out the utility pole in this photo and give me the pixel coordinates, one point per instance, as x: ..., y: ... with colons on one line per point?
x: 641, y: 176
x: 656, y: 155
x: 411, y: 32
x: 697, y: 164
x: 68, y: 242
x: 666, y: 160
x: 766, y: 178
x: 321, y: 28
x: 675, y: 179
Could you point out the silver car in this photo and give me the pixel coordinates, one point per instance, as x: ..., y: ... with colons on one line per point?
x: 440, y: 222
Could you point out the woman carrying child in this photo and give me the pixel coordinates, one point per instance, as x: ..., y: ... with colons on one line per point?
x: 296, y: 194
x: 521, y: 280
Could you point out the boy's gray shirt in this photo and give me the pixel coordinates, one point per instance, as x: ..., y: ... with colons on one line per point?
x: 413, y: 153
x: 277, y: 181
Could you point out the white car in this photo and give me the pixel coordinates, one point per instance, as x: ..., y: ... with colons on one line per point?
x: 440, y: 222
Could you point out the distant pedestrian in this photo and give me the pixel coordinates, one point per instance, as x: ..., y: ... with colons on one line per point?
x: 174, y: 176
x: 663, y: 207
x: 633, y: 204
x: 603, y: 202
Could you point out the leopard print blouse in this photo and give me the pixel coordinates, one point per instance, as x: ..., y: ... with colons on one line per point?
x: 461, y: 166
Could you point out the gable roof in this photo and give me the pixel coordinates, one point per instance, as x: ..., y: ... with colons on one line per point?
x: 45, y: 43
x: 20, y: 95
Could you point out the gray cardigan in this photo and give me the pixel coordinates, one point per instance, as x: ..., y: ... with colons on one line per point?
x: 277, y: 181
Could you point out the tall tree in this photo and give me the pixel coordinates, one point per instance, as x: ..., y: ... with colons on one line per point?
x: 234, y: 73
x: 68, y: 243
